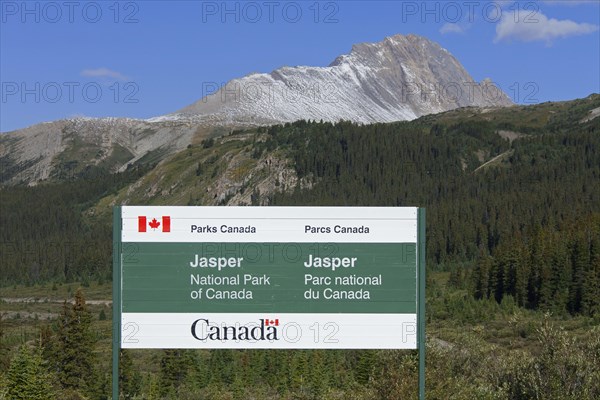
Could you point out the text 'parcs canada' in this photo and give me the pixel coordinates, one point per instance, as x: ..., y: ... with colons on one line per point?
x: 308, y: 229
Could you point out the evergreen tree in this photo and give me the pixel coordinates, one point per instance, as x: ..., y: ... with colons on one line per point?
x: 75, y: 343
x: 222, y: 360
x: 364, y: 368
x: 590, y: 299
x: 129, y: 377
x: 173, y: 370
x: 318, y: 375
x: 481, y: 277
x: 298, y: 371
x: 28, y: 378
x: 4, y: 348
x: 456, y: 278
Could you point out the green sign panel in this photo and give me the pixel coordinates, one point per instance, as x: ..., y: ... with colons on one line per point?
x: 269, y: 277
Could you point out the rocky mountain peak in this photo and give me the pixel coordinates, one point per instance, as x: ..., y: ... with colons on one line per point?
x: 399, y: 78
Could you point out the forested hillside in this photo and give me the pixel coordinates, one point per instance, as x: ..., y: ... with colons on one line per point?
x: 46, y: 235
x: 513, y: 230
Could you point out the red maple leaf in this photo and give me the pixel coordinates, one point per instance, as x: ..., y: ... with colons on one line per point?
x: 154, y: 223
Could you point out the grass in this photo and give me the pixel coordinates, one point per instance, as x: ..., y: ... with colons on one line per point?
x: 58, y: 291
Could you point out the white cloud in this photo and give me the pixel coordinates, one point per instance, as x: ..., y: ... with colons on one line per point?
x: 104, y: 73
x: 528, y: 27
x: 451, y: 28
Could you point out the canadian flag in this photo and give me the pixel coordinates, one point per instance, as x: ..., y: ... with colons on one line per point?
x: 143, y: 224
x: 272, y: 322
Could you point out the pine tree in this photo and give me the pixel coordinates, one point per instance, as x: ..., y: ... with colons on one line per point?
x: 173, y: 370
x: 299, y: 372
x: 590, y: 299
x: 75, y: 343
x: 580, y: 260
x: 129, y: 378
x: 319, y: 380
x: 364, y: 368
x: 456, y: 279
x: 28, y: 378
x: 481, y: 277
x: 4, y: 348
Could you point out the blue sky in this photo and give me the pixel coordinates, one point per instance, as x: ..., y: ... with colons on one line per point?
x: 141, y: 59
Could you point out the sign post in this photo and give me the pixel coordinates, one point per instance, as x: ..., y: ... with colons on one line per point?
x: 421, y: 300
x: 116, y: 297
x: 269, y: 278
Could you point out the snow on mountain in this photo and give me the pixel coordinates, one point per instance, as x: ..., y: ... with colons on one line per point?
x: 400, y: 78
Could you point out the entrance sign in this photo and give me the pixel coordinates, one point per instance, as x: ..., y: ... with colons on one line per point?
x: 269, y: 277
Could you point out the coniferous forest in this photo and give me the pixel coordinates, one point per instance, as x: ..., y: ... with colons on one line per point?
x: 513, y: 254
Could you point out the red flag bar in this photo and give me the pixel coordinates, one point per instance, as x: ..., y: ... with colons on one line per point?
x: 166, y: 224
x: 142, y: 224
